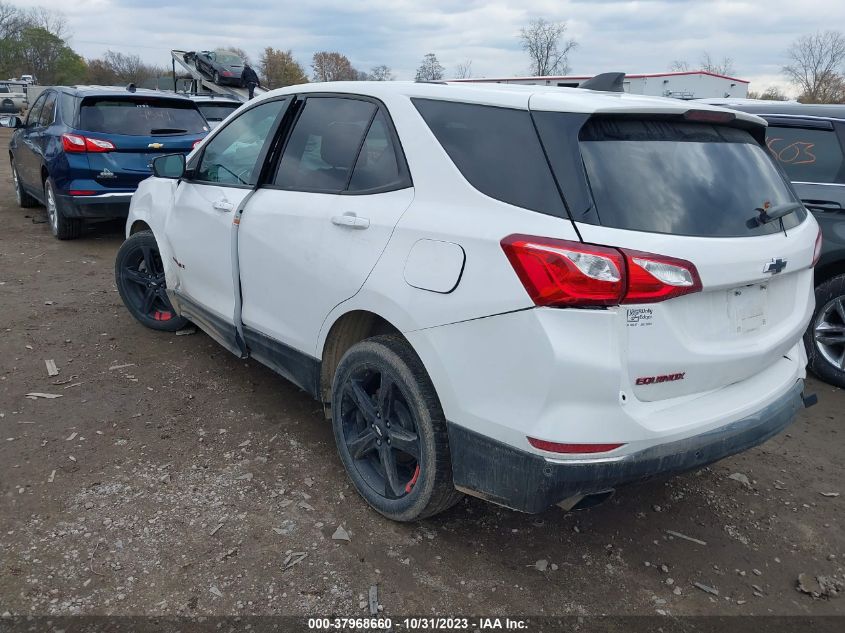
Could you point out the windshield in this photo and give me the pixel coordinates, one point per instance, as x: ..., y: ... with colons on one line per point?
x: 140, y: 116
x: 217, y: 111
x: 228, y: 58
x: 682, y: 178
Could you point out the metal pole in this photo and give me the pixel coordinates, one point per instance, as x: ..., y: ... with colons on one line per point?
x: 173, y: 62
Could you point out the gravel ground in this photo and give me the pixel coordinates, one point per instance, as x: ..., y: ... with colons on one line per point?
x: 171, y: 478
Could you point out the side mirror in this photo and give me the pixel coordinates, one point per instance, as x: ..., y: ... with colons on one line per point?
x: 11, y: 121
x: 169, y: 166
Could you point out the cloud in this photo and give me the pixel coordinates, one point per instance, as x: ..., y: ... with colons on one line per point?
x: 628, y: 35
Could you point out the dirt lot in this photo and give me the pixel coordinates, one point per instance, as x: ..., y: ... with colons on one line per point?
x: 173, y: 478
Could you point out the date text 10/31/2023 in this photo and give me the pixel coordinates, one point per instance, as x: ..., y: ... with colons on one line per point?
x: 418, y: 624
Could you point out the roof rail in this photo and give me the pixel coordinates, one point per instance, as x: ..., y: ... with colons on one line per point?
x: 605, y: 82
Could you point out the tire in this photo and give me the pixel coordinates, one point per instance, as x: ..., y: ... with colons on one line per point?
x: 63, y: 227
x: 365, y: 421
x: 825, y: 338
x: 139, y: 276
x: 217, y: 77
x: 25, y: 201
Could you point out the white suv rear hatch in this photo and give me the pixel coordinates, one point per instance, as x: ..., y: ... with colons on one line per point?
x: 692, y: 191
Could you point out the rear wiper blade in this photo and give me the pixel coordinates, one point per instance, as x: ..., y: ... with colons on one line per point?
x: 168, y: 130
x: 764, y: 216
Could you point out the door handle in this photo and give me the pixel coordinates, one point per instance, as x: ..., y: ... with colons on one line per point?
x: 223, y: 205
x: 351, y: 221
x: 823, y: 205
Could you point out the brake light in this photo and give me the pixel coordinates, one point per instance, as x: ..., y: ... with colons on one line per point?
x: 78, y: 143
x: 97, y: 145
x: 560, y: 273
x: 817, y: 251
x: 653, y: 278
x: 563, y: 273
x: 576, y: 449
x: 73, y: 143
x: 709, y: 116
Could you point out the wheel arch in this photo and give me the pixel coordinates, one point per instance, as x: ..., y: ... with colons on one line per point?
x: 348, y: 329
x: 830, y: 270
x: 139, y: 225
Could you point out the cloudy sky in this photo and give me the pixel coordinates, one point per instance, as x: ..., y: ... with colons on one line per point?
x: 631, y: 36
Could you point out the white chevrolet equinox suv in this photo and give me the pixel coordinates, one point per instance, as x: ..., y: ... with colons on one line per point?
x: 531, y: 295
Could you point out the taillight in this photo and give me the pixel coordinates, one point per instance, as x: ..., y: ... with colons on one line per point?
x: 73, y: 143
x: 571, y: 274
x: 98, y: 145
x: 817, y: 251
x: 575, y: 449
x: 653, y: 278
x: 78, y: 143
x: 563, y: 273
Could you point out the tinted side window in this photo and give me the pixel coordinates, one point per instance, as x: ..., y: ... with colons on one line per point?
x: 46, y: 116
x: 378, y: 165
x: 35, y: 111
x: 231, y: 157
x: 496, y: 150
x: 324, y: 144
x: 807, y: 155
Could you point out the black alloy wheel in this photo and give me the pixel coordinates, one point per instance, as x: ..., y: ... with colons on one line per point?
x: 141, y: 282
x: 380, y: 433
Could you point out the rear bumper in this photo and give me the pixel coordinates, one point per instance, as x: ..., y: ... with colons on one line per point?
x: 531, y: 483
x: 106, y: 205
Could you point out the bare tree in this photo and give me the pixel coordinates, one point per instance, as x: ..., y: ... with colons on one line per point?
x: 333, y: 66
x: 724, y: 67
x: 430, y: 69
x: 707, y: 64
x: 544, y: 42
x: 381, y: 73
x: 278, y: 68
x: 815, y: 66
x: 464, y: 70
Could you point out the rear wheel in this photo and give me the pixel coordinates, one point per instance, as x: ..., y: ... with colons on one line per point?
x: 390, y: 430
x: 63, y: 228
x: 825, y: 338
x: 139, y: 275
x: 24, y: 200
x: 216, y: 77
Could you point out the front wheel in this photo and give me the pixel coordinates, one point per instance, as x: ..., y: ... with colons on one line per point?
x: 216, y: 77
x: 825, y: 338
x: 390, y: 430
x: 139, y: 275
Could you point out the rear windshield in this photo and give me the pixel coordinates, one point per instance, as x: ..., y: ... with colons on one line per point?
x: 216, y: 111
x: 140, y: 116
x: 681, y: 178
x: 807, y: 155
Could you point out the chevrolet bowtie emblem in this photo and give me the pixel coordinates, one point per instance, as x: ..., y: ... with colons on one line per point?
x: 155, y: 145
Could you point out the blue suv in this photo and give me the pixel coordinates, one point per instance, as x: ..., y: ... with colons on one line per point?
x: 82, y: 150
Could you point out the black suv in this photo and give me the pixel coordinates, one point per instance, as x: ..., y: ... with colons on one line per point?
x: 808, y: 140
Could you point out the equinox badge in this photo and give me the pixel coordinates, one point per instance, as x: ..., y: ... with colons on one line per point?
x: 775, y: 266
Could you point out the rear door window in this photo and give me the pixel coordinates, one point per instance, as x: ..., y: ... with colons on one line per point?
x: 140, y: 116
x: 807, y: 155
x: 379, y: 166
x: 497, y: 150
x: 324, y: 144
x: 48, y: 111
x: 681, y: 178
